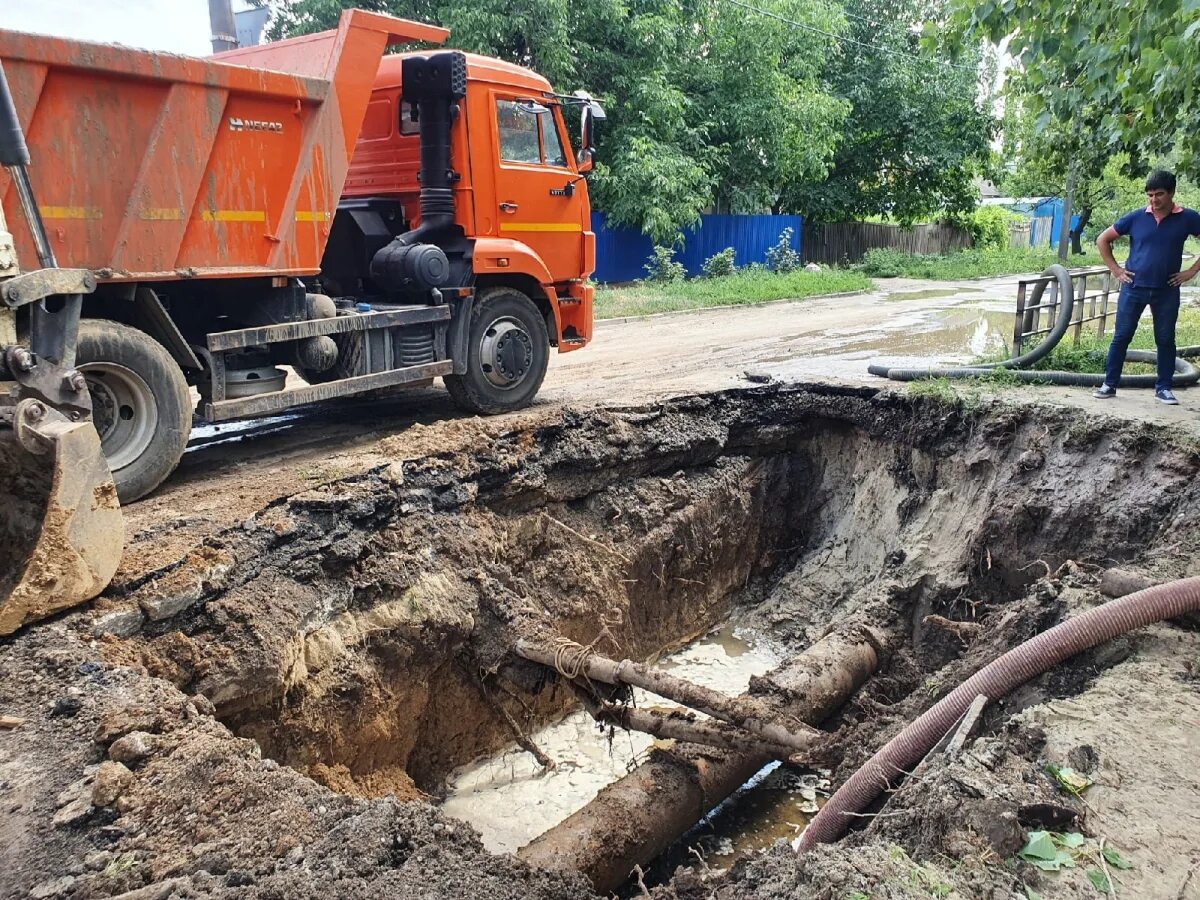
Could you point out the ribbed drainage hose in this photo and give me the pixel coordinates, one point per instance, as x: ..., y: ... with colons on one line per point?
x: 995, y: 680
x: 1185, y: 373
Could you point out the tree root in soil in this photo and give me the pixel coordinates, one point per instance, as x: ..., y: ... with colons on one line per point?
x: 523, y: 740
x: 682, y: 725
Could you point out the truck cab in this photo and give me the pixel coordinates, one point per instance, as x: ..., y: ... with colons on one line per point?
x: 521, y: 213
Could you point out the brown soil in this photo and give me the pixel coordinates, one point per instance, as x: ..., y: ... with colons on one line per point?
x: 343, y: 633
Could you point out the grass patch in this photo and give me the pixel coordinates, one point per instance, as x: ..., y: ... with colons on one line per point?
x: 886, y: 263
x: 742, y: 288
x: 937, y: 389
x: 966, y: 394
x: 1091, y: 351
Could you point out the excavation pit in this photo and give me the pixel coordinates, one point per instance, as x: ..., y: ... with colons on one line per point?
x: 361, y: 634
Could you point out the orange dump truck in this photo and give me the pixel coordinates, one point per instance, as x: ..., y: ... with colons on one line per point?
x: 369, y: 220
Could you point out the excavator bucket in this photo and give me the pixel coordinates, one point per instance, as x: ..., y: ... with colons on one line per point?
x: 60, y: 525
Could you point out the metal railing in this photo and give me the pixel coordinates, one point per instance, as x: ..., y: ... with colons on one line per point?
x: 1091, y: 291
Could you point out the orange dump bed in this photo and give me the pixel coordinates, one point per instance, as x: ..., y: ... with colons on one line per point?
x: 150, y: 166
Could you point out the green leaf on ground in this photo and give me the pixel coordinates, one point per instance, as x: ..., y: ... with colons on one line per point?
x: 1031, y: 894
x: 1072, y: 782
x: 1042, y: 850
x: 1038, y: 846
x: 1116, y: 860
x: 1099, y: 881
x: 1071, y: 840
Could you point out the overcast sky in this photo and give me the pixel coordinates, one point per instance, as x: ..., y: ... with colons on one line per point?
x: 179, y: 26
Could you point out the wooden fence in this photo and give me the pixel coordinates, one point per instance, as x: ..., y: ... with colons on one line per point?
x: 1020, y: 235
x: 1043, y: 232
x: 849, y: 241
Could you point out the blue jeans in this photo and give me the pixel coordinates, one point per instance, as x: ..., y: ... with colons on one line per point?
x: 1164, y: 307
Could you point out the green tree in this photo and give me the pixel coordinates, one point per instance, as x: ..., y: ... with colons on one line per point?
x: 756, y: 83
x: 655, y: 169
x: 1121, y: 75
x: 1038, y: 157
x: 919, y: 128
x: 705, y: 99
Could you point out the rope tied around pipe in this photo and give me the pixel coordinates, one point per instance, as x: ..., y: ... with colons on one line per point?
x: 570, y: 658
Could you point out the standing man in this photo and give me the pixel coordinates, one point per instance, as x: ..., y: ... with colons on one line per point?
x: 1150, y: 277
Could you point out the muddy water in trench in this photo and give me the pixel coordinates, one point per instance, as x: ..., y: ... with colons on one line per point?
x: 510, y: 801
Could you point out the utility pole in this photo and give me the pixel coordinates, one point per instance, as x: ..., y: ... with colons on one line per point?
x: 224, y: 30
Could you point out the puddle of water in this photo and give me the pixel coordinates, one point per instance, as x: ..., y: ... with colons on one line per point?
x: 928, y: 294
x: 510, y: 801
x: 775, y: 804
x: 954, y: 335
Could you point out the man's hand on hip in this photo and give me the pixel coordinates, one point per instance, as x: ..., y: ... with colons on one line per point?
x: 1122, y: 275
x: 1183, y: 277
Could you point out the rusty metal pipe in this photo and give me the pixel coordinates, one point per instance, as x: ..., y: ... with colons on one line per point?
x: 633, y: 820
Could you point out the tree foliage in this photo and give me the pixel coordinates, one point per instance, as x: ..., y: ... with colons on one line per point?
x: 713, y: 104
x: 1123, y: 76
x: 1038, y: 158
x: 919, y: 128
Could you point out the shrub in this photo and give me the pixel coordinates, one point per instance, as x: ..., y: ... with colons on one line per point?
x: 661, y: 266
x: 989, y: 227
x: 885, y: 262
x: 782, y: 258
x: 719, y: 264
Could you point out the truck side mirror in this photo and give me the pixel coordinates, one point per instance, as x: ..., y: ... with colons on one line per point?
x: 592, y: 113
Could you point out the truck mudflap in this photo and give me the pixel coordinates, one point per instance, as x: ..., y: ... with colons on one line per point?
x: 575, y: 315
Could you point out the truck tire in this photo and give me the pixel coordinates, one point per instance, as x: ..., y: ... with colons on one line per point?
x: 508, y: 350
x: 140, y: 404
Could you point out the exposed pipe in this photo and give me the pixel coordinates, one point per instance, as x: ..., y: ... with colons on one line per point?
x: 995, y: 680
x: 1185, y: 373
x: 747, y: 713
x: 633, y: 820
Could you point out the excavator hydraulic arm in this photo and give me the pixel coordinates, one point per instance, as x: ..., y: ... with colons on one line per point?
x: 61, y: 532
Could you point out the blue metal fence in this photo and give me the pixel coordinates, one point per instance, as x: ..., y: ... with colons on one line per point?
x: 1052, y: 207
x: 621, y: 253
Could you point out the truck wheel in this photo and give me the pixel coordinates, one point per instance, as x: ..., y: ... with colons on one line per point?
x: 140, y: 404
x: 507, y: 353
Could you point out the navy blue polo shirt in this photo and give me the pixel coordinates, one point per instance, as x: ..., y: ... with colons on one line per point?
x: 1156, y: 248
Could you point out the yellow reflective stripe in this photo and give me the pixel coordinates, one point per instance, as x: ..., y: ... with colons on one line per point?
x: 310, y: 215
x: 70, y: 212
x: 234, y: 215
x: 541, y: 226
x: 161, y: 215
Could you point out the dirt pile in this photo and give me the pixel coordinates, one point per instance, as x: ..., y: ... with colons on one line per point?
x: 359, y: 633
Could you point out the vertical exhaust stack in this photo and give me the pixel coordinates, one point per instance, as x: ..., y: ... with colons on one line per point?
x: 416, y: 259
x: 223, y: 25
